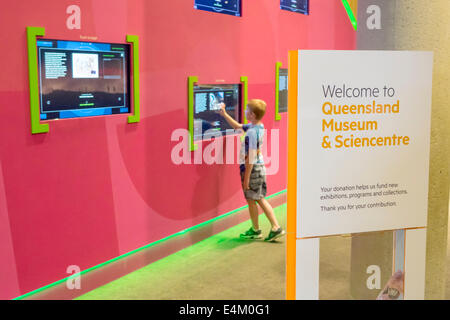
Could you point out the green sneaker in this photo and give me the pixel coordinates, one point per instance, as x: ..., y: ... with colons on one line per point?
x: 251, y: 234
x: 275, y: 234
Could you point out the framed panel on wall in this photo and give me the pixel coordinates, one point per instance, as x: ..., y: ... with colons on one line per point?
x: 283, y: 90
x: 207, y: 100
x: 82, y: 79
x: 300, y: 6
x: 230, y: 7
x: 74, y: 79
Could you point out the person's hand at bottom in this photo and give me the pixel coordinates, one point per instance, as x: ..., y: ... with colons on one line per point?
x: 393, y: 288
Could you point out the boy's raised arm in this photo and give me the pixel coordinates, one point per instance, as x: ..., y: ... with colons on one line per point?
x: 236, y: 125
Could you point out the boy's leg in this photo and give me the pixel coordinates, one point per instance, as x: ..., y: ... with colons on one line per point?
x: 253, y: 209
x: 265, y: 205
x: 253, y: 232
x: 276, y: 230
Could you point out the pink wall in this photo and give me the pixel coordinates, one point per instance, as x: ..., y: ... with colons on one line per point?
x: 93, y: 189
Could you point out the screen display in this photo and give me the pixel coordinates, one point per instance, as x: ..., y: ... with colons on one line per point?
x: 283, y: 91
x: 231, y: 7
x: 207, y: 101
x: 300, y: 6
x: 82, y: 79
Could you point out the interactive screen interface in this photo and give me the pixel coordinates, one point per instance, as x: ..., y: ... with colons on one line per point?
x: 207, y: 101
x: 231, y: 7
x: 300, y: 6
x: 283, y: 91
x: 82, y: 79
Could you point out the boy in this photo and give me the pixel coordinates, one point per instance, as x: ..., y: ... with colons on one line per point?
x: 252, y: 169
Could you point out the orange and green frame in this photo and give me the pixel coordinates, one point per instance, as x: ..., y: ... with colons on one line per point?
x: 351, y: 7
x: 36, y: 125
x: 192, y: 80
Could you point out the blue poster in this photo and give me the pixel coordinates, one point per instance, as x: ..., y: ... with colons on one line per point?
x: 300, y: 6
x: 231, y: 7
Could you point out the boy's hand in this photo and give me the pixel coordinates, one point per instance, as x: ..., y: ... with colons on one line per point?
x: 222, y: 110
x: 246, y: 186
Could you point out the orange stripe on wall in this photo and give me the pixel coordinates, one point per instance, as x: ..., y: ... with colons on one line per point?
x: 292, y: 177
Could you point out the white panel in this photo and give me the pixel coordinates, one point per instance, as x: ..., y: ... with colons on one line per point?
x: 363, y: 210
x: 399, y: 250
x: 415, y: 255
x: 307, y: 269
x: 399, y: 254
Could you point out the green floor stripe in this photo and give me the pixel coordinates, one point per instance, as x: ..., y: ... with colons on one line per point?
x: 139, y: 249
x: 196, y: 271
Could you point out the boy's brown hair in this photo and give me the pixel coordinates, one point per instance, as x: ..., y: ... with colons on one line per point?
x: 258, y: 107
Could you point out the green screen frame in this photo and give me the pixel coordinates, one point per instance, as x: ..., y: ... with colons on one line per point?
x: 278, y: 65
x: 192, y: 80
x: 136, y: 116
x: 36, y: 125
x: 244, y: 83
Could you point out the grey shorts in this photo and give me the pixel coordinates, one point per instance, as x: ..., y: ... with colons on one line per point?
x: 257, y: 184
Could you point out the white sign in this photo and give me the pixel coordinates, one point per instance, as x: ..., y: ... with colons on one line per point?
x: 363, y: 141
